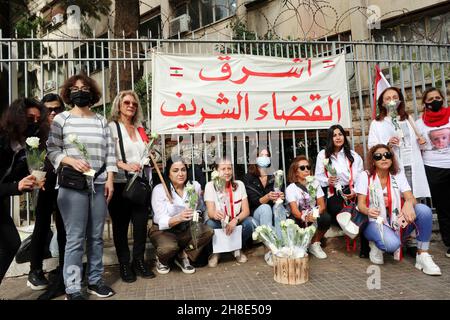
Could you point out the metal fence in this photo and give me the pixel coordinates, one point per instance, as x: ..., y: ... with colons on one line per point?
x: 36, y: 66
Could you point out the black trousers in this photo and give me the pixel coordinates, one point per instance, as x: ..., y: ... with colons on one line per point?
x: 439, y: 182
x: 9, y: 238
x: 122, y: 212
x: 46, y: 205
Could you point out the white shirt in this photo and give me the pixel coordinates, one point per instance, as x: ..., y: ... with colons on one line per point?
x: 134, y: 150
x: 340, y: 162
x: 163, y: 209
x: 238, y: 195
x: 362, y: 184
x: 300, y: 197
x: 435, y: 154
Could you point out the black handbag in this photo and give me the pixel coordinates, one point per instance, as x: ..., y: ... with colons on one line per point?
x: 137, y: 190
x: 69, y: 177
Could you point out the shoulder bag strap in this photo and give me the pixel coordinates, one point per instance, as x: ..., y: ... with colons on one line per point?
x: 122, y: 151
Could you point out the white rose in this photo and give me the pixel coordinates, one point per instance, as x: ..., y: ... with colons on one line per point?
x: 189, y: 187
x: 72, y: 138
x: 214, y: 175
x: 33, y: 142
x: 309, y: 179
x: 289, y: 222
x: 279, y: 172
x: 154, y: 135
x: 326, y: 161
x: 255, y: 235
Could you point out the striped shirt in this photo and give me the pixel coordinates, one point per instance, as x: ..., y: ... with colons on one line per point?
x: 93, y: 132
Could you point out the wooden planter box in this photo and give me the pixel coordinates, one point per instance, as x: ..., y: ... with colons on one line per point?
x: 291, y: 271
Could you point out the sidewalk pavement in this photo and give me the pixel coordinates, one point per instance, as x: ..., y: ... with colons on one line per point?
x: 342, y: 275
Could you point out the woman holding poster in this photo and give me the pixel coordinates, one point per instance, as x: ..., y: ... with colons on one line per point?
x: 435, y: 126
x: 227, y: 207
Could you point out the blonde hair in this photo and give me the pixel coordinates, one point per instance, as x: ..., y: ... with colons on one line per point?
x: 115, y: 110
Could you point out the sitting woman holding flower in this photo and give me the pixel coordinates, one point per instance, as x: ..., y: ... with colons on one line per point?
x: 265, y: 195
x: 227, y: 205
x: 306, y: 202
x: 176, y: 232
x: 385, y: 196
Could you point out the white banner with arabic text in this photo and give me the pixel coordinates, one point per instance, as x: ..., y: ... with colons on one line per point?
x: 233, y: 93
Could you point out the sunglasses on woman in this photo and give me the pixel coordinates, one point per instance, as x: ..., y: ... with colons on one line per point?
x: 55, y: 109
x: 378, y: 156
x: 302, y: 168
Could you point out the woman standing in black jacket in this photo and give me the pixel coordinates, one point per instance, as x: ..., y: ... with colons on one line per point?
x: 24, y: 118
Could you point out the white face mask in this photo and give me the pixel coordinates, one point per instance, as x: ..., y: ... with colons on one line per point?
x: 263, y: 162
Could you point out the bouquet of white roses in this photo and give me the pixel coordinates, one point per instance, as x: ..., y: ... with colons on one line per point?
x: 224, y: 205
x: 35, y: 158
x: 191, y: 203
x: 292, y: 243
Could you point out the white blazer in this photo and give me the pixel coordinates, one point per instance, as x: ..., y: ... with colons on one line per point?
x: 381, y: 132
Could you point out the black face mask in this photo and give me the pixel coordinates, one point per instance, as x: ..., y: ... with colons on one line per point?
x: 434, y: 105
x: 81, y: 98
x: 32, y: 130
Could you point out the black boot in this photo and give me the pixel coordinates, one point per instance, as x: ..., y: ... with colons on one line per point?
x: 142, y: 269
x: 127, y: 273
x: 55, y: 289
x: 365, y: 249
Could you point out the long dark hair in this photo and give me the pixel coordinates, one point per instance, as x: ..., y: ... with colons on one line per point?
x: 329, y: 149
x: 426, y: 92
x: 14, y: 121
x: 253, y: 168
x: 400, y: 108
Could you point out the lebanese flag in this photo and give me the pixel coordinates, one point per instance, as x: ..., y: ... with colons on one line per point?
x: 380, y: 85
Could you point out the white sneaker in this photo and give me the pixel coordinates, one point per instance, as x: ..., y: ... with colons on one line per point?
x: 375, y: 254
x: 213, y: 260
x: 268, y: 258
x: 240, y: 256
x: 425, y: 263
x: 317, y: 251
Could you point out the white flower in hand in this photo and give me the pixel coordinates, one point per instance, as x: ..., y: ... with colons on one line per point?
x: 214, y: 175
x: 33, y: 142
x: 72, y: 138
x: 309, y: 179
x: 326, y: 161
x: 154, y: 135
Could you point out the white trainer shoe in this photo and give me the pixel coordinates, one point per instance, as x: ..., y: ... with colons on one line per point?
x: 268, y: 258
x: 316, y: 250
x: 240, y: 256
x: 375, y: 254
x: 213, y: 260
x: 425, y: 263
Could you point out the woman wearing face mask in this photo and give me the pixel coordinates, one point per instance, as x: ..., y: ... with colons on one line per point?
x: 386, y: 198
x: 262, y: 196
x: 399, y: 132
x: 46, y: 206
x: 171, y: 231
x: 23, y: 118
x: 435, y: 123
x: 83, y: 211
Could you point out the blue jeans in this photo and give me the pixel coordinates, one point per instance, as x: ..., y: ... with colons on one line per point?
x: 267, y: 215
x: 247, y: 228
x: 391, y: 239
x: 84, y: 218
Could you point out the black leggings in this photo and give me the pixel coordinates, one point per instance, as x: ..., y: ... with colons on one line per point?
x: 122, y: 212
x: 9, y: 239
x: 46, y: 205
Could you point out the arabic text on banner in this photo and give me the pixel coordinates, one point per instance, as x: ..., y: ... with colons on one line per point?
x: 232, y: 93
